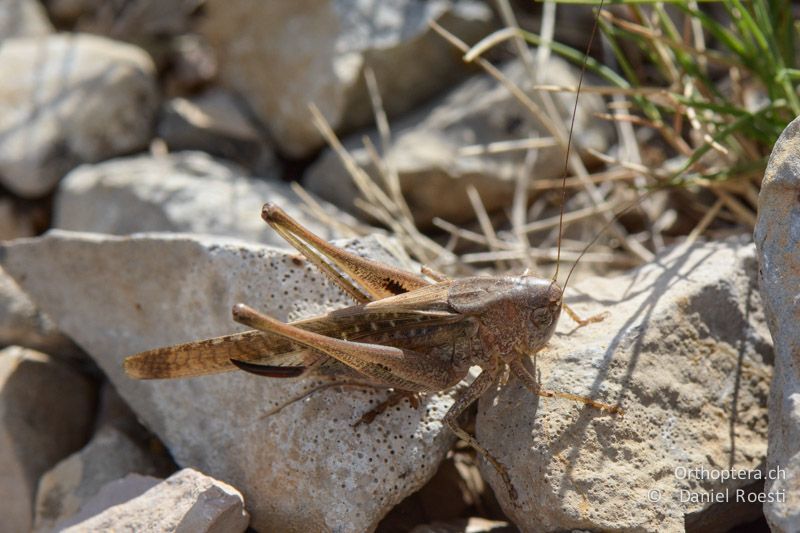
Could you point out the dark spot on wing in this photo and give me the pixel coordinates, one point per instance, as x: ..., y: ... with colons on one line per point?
x: 394, y: 287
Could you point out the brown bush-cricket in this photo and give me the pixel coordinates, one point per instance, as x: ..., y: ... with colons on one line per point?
x: 413, y: 333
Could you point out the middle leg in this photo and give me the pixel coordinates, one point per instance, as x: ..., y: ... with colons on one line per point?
x: 472, y: 393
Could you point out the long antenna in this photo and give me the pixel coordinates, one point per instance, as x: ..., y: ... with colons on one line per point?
x: 569, y: 144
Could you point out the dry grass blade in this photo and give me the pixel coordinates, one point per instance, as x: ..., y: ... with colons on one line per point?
x: 320, y: 214
x: 616, y: 259
x: 617, y: 174
x: 704, y: 222
x: 461, y: 233
x: 574, y: 161
x: 378, y: 204
x: 570, y: 217
x: 603, y: 90
x: 500, y: 147
x: 389, y: 171
x: 519, y: 204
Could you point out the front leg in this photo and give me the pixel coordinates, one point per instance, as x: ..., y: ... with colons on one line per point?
x: 584, y: 321
x: 530, y: 383
x: 463, y: 401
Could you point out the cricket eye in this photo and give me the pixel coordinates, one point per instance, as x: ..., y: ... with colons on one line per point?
x: 542, y: 316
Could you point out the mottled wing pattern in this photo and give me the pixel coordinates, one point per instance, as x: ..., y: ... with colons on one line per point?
x: 411, y: 320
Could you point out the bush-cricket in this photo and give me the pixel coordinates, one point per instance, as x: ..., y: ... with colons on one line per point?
x: 412, y: 333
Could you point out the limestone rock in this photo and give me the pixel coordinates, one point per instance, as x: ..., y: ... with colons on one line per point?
x: 21, y: 323
x: 300, y: 465
x: 183, y: 192
x: 46, y: 413
x: 114, y: 493
x: 187, y: 501
x: 111, y: 454
x: 282, y: 55
x: 685, y: 351
x: 69, y: 99
x: 23, y: 18
x: 429, y: 148
x: 214, y: 122
x: 777, y: 237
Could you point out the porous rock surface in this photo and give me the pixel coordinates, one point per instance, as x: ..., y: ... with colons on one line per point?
x: 186, y: 502
x: 303, y: 467
x: 686, y: 353
x: 777, y: 238
x: 281, y: 56
x: 69, y: 99
x: 181, y: 192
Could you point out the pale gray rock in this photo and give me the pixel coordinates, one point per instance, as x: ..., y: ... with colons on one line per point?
x: 685, y: 351
x: 110, y: 455
x: 428, y: 150
x: 21, y: 323
x: 114, y: 493
x: 46, y: 411
x: 777, y: 237
x: 185, y: 499
x: 283, y: 55
x: 214, y: 122
x: 68, y: 99
x: 302, y: 466
x: 183, y: 192
x: 23, y: 18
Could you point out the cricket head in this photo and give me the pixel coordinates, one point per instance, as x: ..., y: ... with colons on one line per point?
x: 544, y: 305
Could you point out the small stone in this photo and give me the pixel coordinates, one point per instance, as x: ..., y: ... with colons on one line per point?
x: 213, y: 122
x: 46, y: 412
x: 777, y: 237
x: 282, y: 55
x: 183, y: 192
x: 187, y: 501
x: 114, y: 493
x: 111, y: 454
x: 69, y: 99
